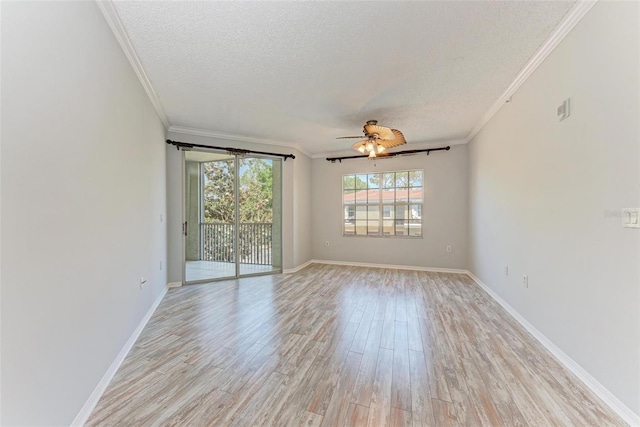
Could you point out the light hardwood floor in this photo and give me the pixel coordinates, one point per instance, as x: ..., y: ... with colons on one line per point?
x: 334, y: 346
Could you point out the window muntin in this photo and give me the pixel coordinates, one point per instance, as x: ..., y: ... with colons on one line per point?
x: 385, y: 204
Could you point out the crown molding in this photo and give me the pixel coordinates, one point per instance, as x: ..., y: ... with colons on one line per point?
x: 574, y: 16
x: 233, y: 137
x: 111, y: 16
x: 408, y: 146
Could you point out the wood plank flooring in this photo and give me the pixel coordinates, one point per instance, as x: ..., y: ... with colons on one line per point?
x: 342, y: 346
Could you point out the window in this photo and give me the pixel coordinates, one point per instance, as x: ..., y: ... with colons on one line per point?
x: 383, y: 204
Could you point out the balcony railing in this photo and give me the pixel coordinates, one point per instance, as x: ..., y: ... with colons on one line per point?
x: 254, y: 245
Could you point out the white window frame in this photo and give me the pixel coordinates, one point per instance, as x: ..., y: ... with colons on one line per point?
x: 381, y: 204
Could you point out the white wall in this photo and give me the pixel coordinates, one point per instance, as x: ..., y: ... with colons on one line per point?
x: 541, y: 191
x: 302, y: 213
x: 296, y: 242
x: 83, y: 188
x: 444, y: 212
x: 175, y: 211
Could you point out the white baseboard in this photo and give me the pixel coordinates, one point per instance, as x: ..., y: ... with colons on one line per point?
x: 594, y: 385
x: 298, y: 268
x: 174, y: 285
x: 391, y: 266
x: 91, y: 403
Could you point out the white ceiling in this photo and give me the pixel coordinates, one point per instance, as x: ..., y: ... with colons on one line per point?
x: 308, y: 72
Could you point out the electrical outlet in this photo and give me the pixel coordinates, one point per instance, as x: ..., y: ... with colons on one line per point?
x: 506, y: 270
x: 326, y: 243
x: 449, y: 249
x: 525, y: 280
x: 160, y: 265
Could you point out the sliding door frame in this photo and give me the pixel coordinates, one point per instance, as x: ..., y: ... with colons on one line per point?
x: 236, y: 187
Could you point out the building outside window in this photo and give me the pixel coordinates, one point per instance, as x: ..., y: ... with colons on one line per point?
x: 387, y: 204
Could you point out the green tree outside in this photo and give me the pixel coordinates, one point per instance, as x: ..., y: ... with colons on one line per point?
x: 255, y: 192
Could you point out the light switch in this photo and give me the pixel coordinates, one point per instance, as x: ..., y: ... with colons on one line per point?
x: 631, y: 217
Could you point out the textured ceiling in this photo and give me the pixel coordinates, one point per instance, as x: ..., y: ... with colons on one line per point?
x: 308, y: 72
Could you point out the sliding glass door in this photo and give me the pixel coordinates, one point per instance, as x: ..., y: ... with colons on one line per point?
x: 259, y: 202
x: 233, y: 216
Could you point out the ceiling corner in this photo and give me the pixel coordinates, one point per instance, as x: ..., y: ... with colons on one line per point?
x: 113, y: 20
x: 575, y: 15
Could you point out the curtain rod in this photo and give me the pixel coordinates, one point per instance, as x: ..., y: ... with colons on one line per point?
x: 188, y: 145
x: 398, y: 153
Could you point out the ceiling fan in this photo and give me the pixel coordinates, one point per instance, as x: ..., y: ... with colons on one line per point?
x: 377, y: 139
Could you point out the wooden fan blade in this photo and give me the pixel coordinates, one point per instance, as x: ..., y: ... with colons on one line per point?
x: 381, y: 131
x: 359, y: 144
x: 396, y: 141
x: 346, y: 137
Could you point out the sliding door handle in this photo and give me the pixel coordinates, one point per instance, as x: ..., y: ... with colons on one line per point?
x: 184, y: 228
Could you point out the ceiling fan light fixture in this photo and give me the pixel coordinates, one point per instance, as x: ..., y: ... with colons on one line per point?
x: 377, y: 139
